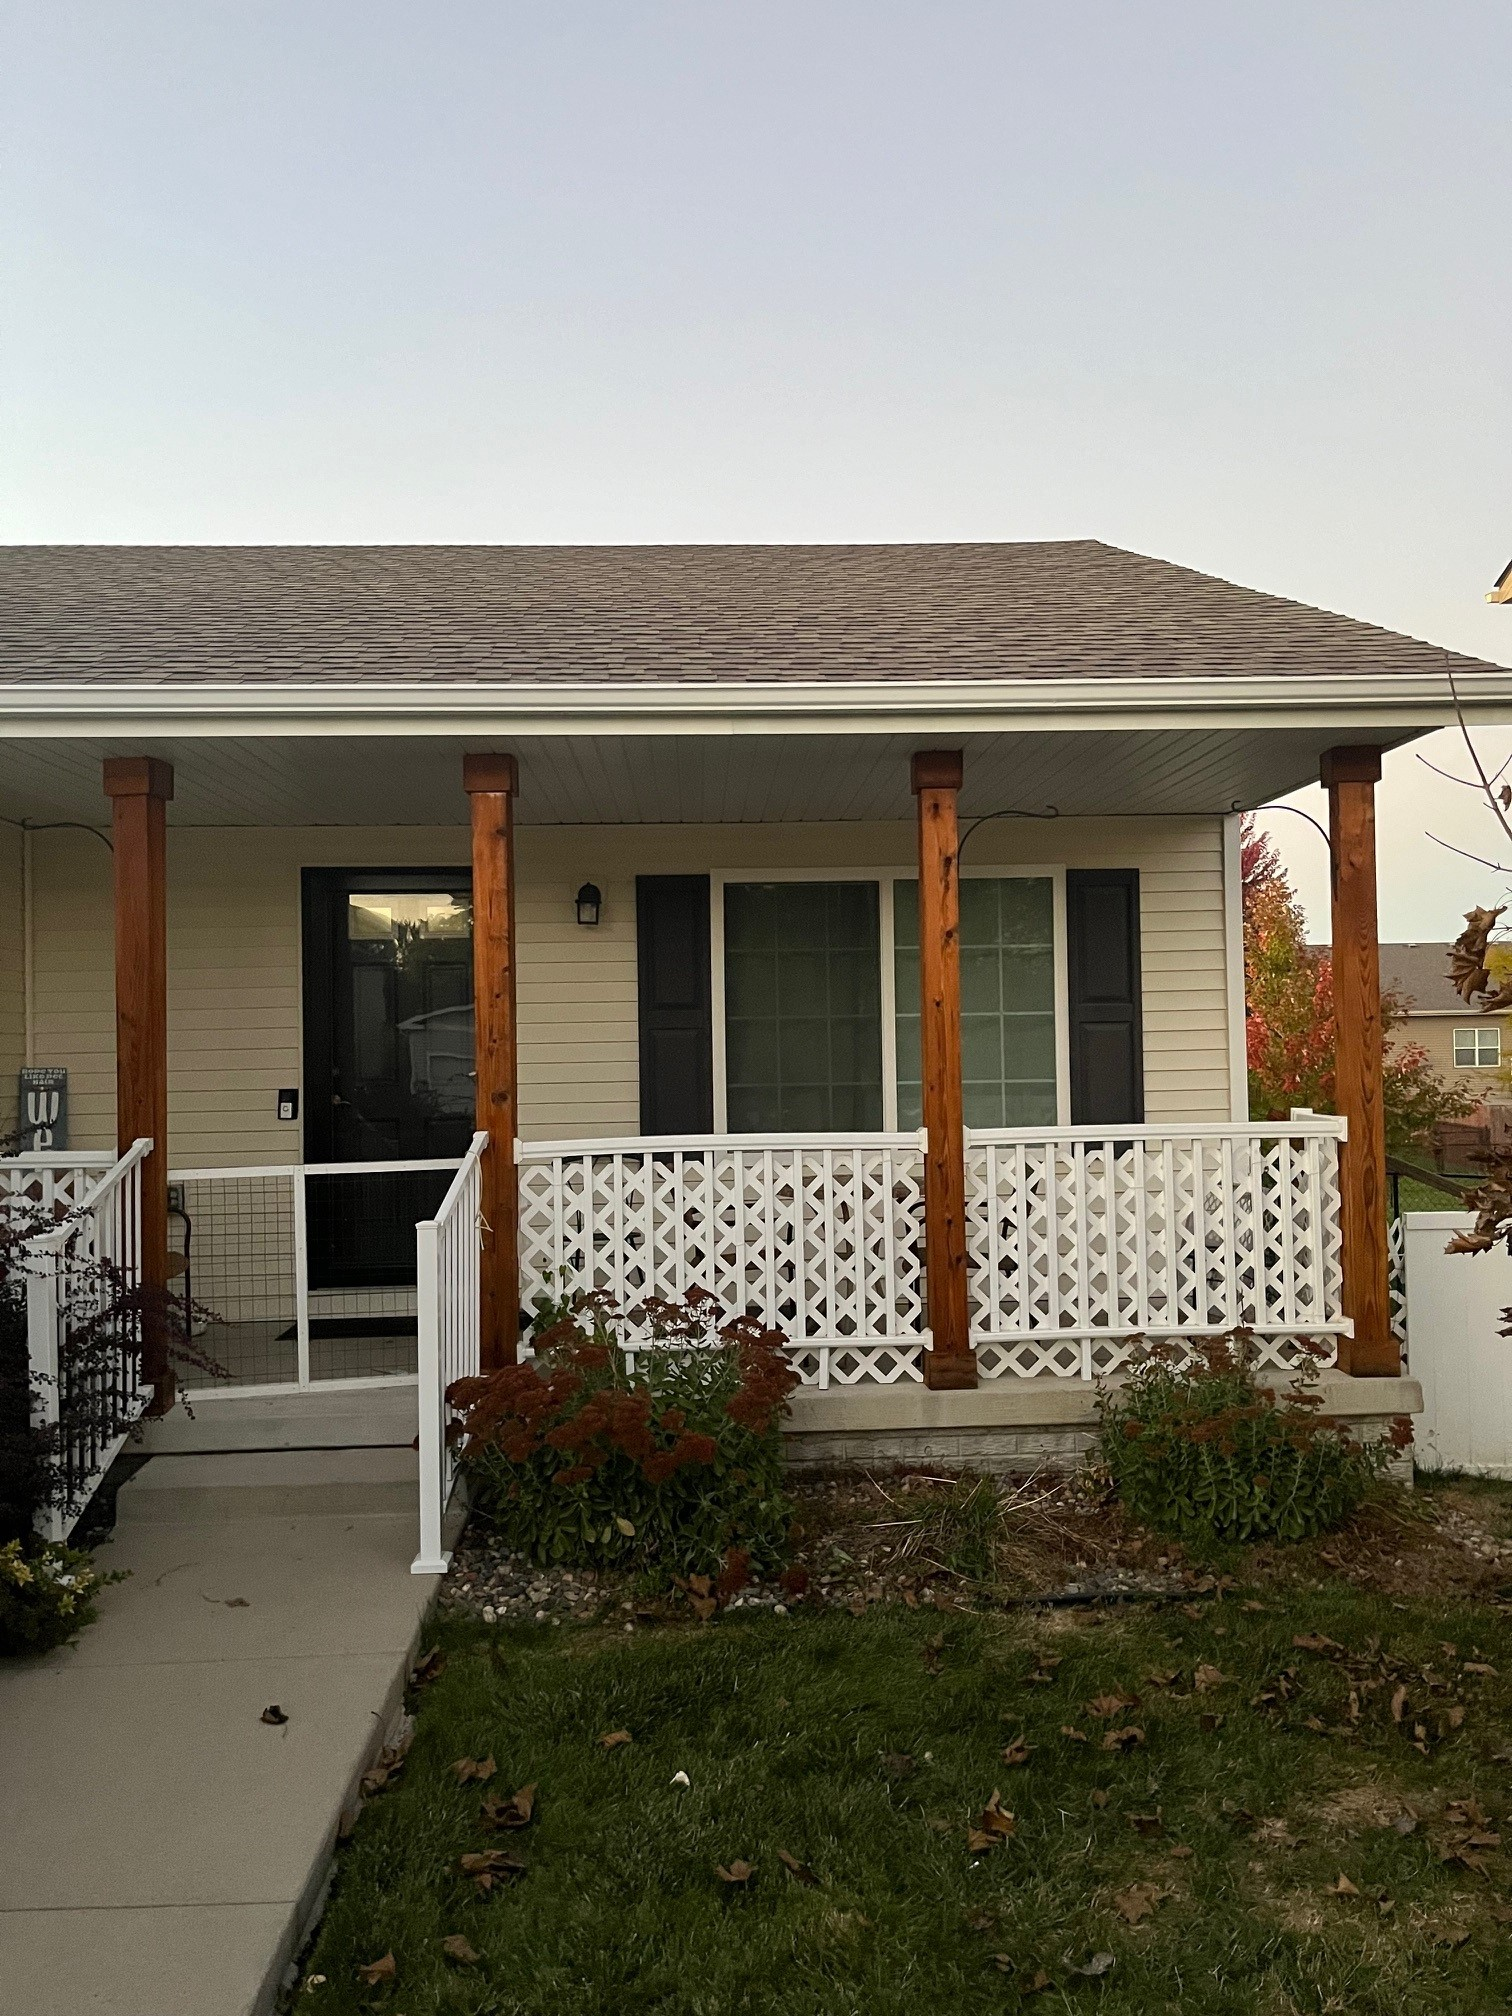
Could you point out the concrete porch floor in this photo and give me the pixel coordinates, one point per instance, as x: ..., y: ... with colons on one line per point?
x: 162, y: 1848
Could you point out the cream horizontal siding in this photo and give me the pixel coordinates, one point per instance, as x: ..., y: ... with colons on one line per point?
x: 12, y: 974
x: 234, y: 1001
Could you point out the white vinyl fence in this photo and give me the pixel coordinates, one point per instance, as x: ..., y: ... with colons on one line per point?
x: 447, y: 1252
x: 1454, y: 1305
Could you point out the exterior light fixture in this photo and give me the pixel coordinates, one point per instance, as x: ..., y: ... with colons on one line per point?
x: 588, y: 900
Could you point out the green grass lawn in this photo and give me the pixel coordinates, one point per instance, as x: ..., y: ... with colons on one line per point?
x: 1204, y: 1858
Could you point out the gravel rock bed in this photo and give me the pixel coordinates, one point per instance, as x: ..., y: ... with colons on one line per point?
x: 1474, y: 1538
x: 855, y: 1551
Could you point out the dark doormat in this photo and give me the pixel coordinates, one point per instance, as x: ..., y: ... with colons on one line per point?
x: 353, y: 1326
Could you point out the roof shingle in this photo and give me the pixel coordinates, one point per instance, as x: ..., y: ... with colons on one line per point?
x: 579, y: 614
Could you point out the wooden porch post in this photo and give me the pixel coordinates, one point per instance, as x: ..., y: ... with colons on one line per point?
x: 936, y: 778
x: 1351, y: 776
x: 491, y: 782
x: 139, y: 788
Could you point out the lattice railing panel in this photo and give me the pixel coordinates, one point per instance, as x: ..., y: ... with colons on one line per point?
x: 1079, y: 1242
x: 822, y: 1238
x: 1075, y: 1235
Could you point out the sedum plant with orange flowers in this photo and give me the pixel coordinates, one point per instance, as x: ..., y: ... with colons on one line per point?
x: 674, y: 1468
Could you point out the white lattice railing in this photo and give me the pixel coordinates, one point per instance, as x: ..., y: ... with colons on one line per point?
x: 52, y: 1180
x: 447, y: 1253
x: 1079, y: 1240
x: 821, y: 1235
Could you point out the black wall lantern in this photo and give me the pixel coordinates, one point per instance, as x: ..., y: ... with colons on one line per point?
x: 588, y: 900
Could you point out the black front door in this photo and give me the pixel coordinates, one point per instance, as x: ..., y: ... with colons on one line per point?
x: 388, y: 1059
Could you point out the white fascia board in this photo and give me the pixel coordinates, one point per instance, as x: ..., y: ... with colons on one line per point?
x: 746, y: 707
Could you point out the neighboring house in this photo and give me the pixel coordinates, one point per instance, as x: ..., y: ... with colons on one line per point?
x: 1502, y: 592
x: 1468, y: 1050
x: 747, y: 1064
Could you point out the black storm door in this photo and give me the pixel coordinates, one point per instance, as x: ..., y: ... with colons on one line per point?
x: 388, y: 1058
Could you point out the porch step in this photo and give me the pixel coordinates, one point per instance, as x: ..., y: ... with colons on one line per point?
x: 269, y: 1484
x: 351, y: 1418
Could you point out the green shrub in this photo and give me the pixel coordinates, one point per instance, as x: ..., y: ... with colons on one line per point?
x: 1199, y: 1448
x: 674, y: 1468
x: 46, y: 1595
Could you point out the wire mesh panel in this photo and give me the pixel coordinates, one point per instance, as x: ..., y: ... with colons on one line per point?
x: 235, y: 1235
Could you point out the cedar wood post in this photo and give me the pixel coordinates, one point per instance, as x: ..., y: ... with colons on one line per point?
x: 491, y: 783
x: 139, y: 788
x: 936, y: 778
x: 1351, y: 776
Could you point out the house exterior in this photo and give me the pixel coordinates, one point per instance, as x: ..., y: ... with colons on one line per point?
x: 1466, y: 1050
x: 852, y: 929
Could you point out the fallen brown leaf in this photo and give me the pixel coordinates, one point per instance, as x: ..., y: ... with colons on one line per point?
x: 933, y: 1649
x: 1209, y: 1722
x: 738, y: 1873
x: 1477, y: 1666
x: 455, y: 1947
x: 703, y: 1607
x: 614, y: 1738
x: 1343, y: 1887
x: 1146, y: 1825
x: 995, y: 1823
x: 1099, y: 1797
x: 1106, y: 1706
x: 379, y: 1970
x: 897, y: 1765
x: 1138, y: 1901
x: 1017, y: 1752
x: 1398, y: 1704
x: 799, y: 1869
x: 1314, y: 1641
x: 1180, y: 1852
x: 429, y: 1666
x: 1044, y: 1673
x: 1123, y: 1739
x: 490, y: 1866
x: 1076, y: 1735
x: 503, y: 1814
x: 468, y: 1769
x: 274, y: 1716
x: 1168, y: 1678
x: 1206, y: 1678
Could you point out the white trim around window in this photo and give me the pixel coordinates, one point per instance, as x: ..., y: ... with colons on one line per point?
x: 884, y: 878
x: 1481, y: 1045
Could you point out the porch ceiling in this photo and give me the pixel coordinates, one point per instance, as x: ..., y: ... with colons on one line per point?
x: 588, y: 779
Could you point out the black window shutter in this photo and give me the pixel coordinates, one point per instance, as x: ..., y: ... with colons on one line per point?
x: 676, y: 1028
x: 1107, y: 1030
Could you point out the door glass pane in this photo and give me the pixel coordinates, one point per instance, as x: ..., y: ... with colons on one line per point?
x: 803, y: 1007
x: 404, y: 1048
x: 1007, y: 1001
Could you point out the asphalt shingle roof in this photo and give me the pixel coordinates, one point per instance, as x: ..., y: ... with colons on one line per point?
x: 1420, y: 973
x: 1043, y: 610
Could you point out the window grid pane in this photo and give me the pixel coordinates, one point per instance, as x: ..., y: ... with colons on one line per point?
x: 803, y: 1009
x: 1007, y: 1001
x: 1477, y: 1048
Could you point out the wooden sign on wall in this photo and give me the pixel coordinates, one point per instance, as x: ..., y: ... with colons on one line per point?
x: 42, y: 1106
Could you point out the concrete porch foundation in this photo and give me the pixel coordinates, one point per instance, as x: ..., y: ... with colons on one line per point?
x: 1012, y: 1424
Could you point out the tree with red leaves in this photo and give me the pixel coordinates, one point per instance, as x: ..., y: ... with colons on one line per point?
x: 1289, y: 1027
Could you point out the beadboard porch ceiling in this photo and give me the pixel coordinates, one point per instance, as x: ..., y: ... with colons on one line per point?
x: 588, y: 779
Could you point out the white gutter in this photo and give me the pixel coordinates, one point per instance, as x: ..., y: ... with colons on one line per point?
x: 205, y: 708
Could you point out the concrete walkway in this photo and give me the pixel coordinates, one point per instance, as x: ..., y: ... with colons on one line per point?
x: 161, y: 1848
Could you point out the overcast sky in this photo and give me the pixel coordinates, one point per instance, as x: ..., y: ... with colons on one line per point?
x: 1227, y: 285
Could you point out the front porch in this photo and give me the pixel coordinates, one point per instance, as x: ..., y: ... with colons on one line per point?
x: 1081, y: 971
